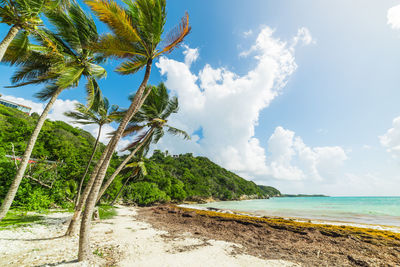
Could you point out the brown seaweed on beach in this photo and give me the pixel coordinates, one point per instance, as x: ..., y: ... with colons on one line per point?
x: 276, y: 238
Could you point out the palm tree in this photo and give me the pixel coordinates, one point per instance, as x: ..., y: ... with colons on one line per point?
x: 100, y: 116
x: 21, y: 15
x: 149, y: 124
x: 137, y: 32
x: 60, y: 60
x: 138, y: 169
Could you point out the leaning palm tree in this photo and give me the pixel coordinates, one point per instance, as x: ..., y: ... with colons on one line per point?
x: 149, y: 124
x: 59, y: 60
x: 101, y: 115
x: 136, y: 37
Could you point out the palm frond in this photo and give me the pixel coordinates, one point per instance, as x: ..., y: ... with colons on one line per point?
x: 149, y: 17
x: 133, y: 65
x: 47, y: 92
x: 70, y: 77
x: 176, y: 35
x: 96, y: 71
x: 86, y: 28
x: 65, y: 28
x: 158, y: 134
x: 175, y: 131
x: 137, y: 140
x: 94, y: 96
x: 172, y: 107
x: 115, y: 17
x: 18, y: 48
x: 132, y: 128
x: 114, y: 46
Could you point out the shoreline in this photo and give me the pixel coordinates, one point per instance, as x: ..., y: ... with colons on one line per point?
x: 382, y: 227
x: 168, y: 235
x: 273, y: 238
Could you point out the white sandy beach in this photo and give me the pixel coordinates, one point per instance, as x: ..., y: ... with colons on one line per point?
x: 130, y: 242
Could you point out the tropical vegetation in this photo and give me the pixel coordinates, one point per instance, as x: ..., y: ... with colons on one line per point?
x: 56, y: 44
x: 62, y: 151
x: 59, y: 61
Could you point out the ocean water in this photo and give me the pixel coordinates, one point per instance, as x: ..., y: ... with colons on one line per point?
x: 368, y: 210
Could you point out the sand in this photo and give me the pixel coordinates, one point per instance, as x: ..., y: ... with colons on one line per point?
x: 304, y: 243
x: 124, y: 240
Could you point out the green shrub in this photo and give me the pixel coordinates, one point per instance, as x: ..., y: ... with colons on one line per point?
x: 145, y: 193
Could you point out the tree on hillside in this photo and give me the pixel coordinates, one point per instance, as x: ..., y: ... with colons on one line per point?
x: 149, y: 125
x: 136, y: 36
x: 60, y: 60
x: 101, y: 115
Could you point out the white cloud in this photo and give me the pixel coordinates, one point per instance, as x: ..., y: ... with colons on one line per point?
x: 304, y: 36
x: 393, y: 17
x: 290, y: 159
x: 247, y: 33
x: 227, y: 105
x: 57, y: 114
x: 391, y: 139
x: 191, y: 55
x: 36, y: 107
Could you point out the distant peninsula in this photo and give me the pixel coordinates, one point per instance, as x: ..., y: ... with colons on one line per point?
x: 303, y: 195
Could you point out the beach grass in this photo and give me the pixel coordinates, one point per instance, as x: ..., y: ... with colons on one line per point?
x: 18, y: 218
x: 107, y: 211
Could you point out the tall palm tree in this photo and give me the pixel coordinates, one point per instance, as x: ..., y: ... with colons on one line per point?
x: 137, y: 168
x: 60, y: 60
x: 149, y: 124
x: 102, y: 115
x: 136, y: 37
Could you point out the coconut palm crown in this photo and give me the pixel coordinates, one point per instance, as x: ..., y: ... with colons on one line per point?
x: 153, y: 116
x: 102, y: 115
x: 136, y: 32
x: 61, y: 57
x: 23, y: 15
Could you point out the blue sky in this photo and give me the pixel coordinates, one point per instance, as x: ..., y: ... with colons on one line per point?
x: 329, y: 128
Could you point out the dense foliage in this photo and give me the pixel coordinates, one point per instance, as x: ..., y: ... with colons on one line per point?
x: 188, y: 177
x: 169, y: 178
x: 68, y: 148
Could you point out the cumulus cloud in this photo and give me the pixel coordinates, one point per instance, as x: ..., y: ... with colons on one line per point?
x: 391, y: 139
x: 393, y: 17
x: 290, y: 159
x: 226, y: 106
x: 57, y: 114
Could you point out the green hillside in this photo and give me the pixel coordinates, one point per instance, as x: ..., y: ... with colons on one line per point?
x: 62, y: 152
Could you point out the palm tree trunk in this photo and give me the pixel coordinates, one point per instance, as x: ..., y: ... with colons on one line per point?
x: 122, y: 165
x: 78, y: 209
x: 87, y: 167
x: 84, y: 245
x: 25, y: 159
x: 119, y: 192
x: 8, y: 39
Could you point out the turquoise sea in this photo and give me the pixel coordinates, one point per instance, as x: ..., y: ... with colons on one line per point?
x: 369, y: 210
